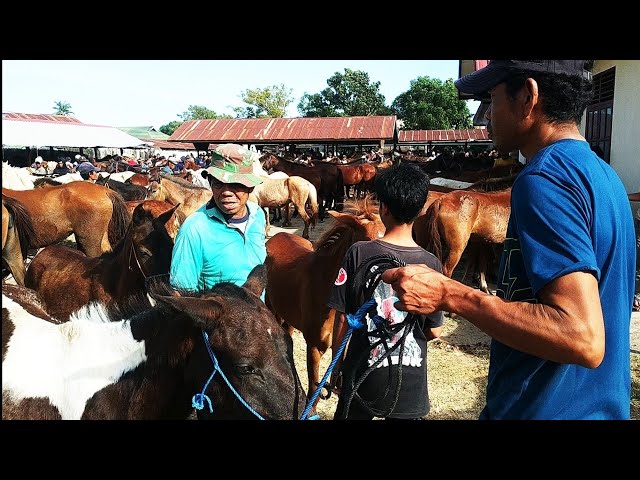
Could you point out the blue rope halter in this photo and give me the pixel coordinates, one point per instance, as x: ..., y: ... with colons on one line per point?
x: 198, y: 399
x: 356, y: 322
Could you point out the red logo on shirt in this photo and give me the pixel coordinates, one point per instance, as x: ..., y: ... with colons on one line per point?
x: 342, y: 277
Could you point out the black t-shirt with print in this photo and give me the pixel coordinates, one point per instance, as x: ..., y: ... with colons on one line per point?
x: 413, y: 400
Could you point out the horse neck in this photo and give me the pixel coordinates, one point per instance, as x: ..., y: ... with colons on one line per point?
x: 123, y: 260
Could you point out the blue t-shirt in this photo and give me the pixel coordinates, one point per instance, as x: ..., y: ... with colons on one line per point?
x: 569, y: 212
x: 208, y: 250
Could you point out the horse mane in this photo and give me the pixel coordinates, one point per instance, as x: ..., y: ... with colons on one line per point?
x: 23, y: 222
x: 497, y: 184
x: 49, y: 181
x: 339, y: 233
x: 182, y: 182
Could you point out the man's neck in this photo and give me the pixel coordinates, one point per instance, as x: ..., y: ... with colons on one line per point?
x: 548, y: 134
x: 399, y: 234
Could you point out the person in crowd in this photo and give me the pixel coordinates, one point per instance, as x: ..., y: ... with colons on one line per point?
x: 39, y: 166
x: 560, y: 320
x: 397, y: 387
x: 224, y: 239
x: 88, y: 171
x: 61, y: 168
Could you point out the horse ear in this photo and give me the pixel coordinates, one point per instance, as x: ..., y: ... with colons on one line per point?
x: 166, y: 216
x: 202, y: 310
x: 257, y: 279
x: 204, y: 174
x: 140, y: 214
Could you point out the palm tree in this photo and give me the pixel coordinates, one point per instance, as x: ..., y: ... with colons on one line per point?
x: 62, y: 108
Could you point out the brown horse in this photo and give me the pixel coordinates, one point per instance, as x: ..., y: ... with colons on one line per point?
x: 324, y: 176
x: 66, y: 280
x: 459, y: 217
x: 140, y: 179
x: 300, y: 276
x: 144, y: 362
x: 96, y: 215
x: 178, y: 191
x: 17, y: 232
x: 158, y: 207
x: 360, y: 176
x: 280, y: 192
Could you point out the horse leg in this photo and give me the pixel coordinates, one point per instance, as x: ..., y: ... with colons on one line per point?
x: 287, y: 215
x: 266, y: 211
x: 12, y: 255
x: 313, y: 366
x: 91, y: 243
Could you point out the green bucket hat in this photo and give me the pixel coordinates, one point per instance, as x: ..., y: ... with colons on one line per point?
x: 232, y: 163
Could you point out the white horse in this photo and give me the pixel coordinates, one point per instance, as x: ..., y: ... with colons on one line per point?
x: 16, y: 178
x: 196, y: 179
x: 118, y: 176
x: 68, y: 178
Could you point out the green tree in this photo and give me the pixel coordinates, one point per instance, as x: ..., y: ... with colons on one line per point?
x: 269, y: 102
x: 431, y: 104
x: 170, y: 127
x: 62, y: 108
x: 347, y: 95
x: 198, y: 112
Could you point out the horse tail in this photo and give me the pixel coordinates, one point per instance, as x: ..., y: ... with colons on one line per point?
x: 312, y: 199
x: 339, y: 192
x: 120, y: 218
x: 22, y: 223
x: 432, y: 232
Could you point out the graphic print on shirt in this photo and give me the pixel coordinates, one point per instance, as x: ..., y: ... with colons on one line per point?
x: 341, y: 278
x: 412, y: 356
x: 513, y: 283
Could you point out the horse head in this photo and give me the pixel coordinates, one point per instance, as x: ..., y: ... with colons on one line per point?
x: 246, y: 367
x: 152, y: 246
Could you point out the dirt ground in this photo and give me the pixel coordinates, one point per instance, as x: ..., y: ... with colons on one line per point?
x: 457, y: 362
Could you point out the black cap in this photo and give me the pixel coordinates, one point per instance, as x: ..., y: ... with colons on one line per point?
x: 483, y: 80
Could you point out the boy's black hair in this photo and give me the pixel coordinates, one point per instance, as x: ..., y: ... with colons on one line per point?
x: 403, y: 189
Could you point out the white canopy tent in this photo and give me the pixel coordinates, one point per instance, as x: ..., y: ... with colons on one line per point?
x: 18, y: 133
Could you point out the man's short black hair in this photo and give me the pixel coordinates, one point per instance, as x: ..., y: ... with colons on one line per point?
x: 403, y: 189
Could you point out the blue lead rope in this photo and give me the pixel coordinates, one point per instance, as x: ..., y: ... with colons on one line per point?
x: 198, y: 399
x: 356, y: 322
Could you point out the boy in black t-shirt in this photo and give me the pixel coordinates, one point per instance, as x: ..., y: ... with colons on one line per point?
x: 397, y: 386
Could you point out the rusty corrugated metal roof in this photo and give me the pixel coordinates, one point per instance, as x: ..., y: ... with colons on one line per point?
x: 256, y: 130
x: 166, y: 145
x: 39, y: 117
x: 424, y: 136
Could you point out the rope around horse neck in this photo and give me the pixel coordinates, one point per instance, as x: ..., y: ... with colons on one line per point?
x: 370, y: 278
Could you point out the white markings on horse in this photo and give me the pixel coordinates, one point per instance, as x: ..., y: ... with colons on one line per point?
x: 74, y: 360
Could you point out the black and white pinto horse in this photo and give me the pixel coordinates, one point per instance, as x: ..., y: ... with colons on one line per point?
x: 222, y: 352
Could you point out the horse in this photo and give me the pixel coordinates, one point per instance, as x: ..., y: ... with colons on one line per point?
x: 179, y: 191
x: 17, y: 232
x: 324, y: 176
x: 96, y: 215
x: 66, y: 279
x: 140, y: 179
x: 17, y: 178
x: 300, y: 275
x: 136, y: 361
x: 128, y: 191
x: 360, y: 176
x: 276, y: 193
x: 459, y: 217
x: 157, y: 207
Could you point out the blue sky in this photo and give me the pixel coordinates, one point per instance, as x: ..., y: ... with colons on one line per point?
x: 123, y: 93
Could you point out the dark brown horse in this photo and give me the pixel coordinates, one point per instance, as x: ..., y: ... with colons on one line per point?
x: 300, y: 276
x: 324, y: 176
x: 17, y: 232
x: 144, y: 362
x: 461, y: 216
x: 96, y: 215
x: 128, y: 191
x: 156, y: 208
x: 66, y: 279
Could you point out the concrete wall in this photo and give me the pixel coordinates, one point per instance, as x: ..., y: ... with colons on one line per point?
x: 625, y: 130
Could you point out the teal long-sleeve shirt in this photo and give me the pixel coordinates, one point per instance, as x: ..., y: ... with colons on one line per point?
x: 208, y: 250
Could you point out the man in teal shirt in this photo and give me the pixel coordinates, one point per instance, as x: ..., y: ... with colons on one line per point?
x: 224, y: 239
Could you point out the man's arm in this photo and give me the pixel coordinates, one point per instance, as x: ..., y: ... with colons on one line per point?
x: 186, y: 260
x: 634, y: 197
x: 566, y: 327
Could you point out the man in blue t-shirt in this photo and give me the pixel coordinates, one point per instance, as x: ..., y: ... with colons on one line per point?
x: 560, y: 320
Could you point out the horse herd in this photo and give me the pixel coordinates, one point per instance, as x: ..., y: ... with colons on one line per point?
x: 96, y: 332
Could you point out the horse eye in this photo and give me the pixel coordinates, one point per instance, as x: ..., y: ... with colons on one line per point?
x: 247, y: 369
x: 144, y: 252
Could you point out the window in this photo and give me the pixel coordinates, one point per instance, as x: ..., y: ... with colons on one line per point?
x: 600, y: 112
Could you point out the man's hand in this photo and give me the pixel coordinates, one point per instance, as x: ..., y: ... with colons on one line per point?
x: 420, y: 289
